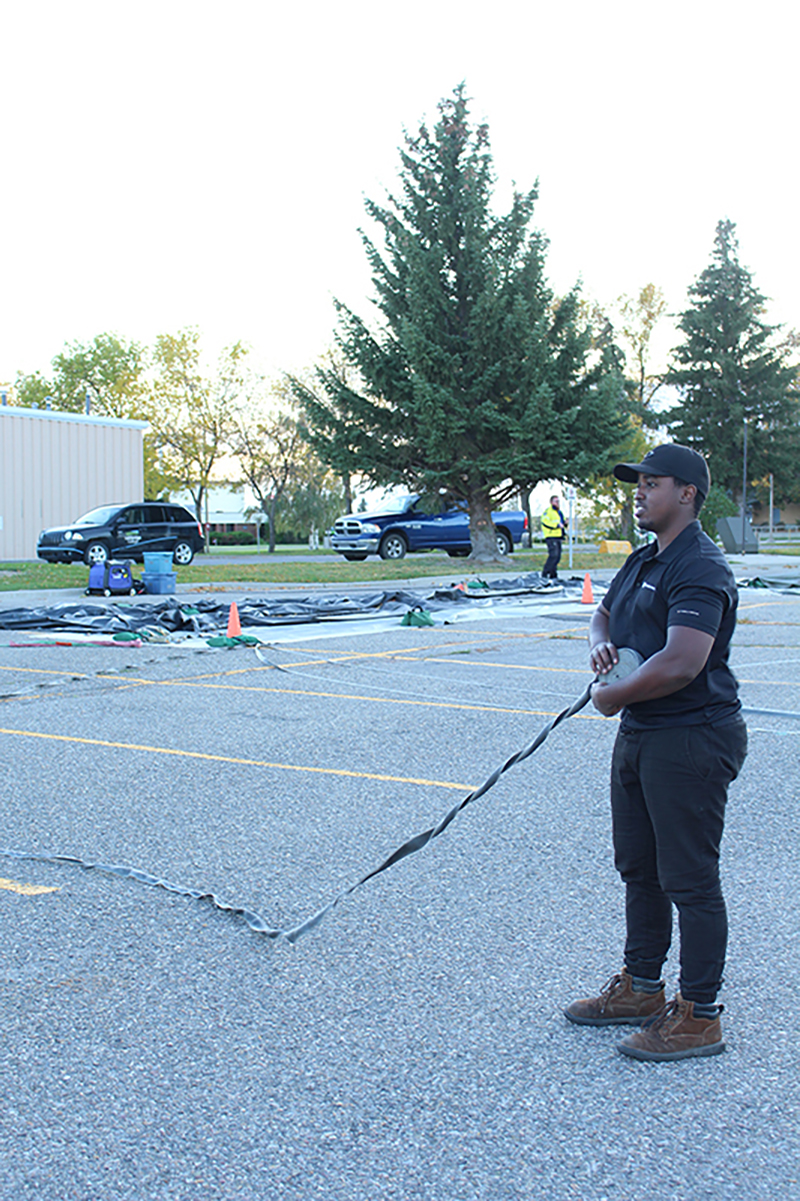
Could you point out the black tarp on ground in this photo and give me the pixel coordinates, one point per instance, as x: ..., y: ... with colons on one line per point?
x: 788, y: 586
x: 202, y: 617
x: 210, y: 616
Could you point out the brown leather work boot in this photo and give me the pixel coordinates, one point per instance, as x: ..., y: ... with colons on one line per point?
x: 675, y: 1033
x: 619, y: 1004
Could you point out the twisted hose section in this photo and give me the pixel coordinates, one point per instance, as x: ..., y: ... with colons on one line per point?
x: 422, y: 839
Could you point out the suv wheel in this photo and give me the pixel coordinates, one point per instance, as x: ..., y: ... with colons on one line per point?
x: 183, y: 553
x: 96, y: 552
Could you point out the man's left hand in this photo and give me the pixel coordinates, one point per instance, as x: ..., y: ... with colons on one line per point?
x: 603, y: 699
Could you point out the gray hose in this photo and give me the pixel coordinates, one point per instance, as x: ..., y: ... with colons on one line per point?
x: 629, y: 661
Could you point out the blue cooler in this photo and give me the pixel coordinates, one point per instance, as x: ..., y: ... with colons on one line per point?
x: 158, y: 576
x: 158, y: 562
x: 159, y: 582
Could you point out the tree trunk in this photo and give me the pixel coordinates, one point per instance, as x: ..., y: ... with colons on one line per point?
x: 272, y: 506
x: 482, y: 533
x: 198, y: 498
x: 525, y: 505
x: 626, y: 525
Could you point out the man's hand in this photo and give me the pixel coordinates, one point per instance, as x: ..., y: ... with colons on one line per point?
x: 602, y: 657
x: 603, y: 699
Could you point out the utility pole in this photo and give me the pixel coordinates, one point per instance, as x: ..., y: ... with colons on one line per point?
x: 744, y: 489
x: 571, y: 495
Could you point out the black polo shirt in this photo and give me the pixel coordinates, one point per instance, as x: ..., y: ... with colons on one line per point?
x: 689, y: 583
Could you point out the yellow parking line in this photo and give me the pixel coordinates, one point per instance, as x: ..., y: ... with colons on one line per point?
x: 163, y: 750
x: 205, y: 682
x: 334, y: 656
x: 770, y: 683
x: 25, y: 890
x: 770, y: 623
x: 349, y: 696
x: 45, y: 671
x: 574, y: 671
x: 766, y: 604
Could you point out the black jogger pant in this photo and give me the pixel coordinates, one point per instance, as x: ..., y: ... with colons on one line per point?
x: 669, y: 788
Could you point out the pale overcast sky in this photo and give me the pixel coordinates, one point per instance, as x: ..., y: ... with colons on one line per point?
x: 181, y: 163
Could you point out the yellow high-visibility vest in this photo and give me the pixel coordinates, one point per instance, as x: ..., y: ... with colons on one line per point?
x: 551, y: 523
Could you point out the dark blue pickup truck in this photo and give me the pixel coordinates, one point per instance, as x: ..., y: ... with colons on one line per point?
x: 408, y: 523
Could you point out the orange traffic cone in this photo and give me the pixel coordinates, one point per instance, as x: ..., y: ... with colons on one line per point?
x: 234, y: 626
x: 587, y: 596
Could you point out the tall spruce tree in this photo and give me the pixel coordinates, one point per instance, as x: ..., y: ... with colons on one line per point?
x: 729, y: 370
x: 476, y: 381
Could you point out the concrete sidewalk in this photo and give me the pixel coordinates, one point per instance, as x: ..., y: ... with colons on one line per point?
x: 764, y: 564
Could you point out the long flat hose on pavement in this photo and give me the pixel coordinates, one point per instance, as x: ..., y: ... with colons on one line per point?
x: 628, y: 662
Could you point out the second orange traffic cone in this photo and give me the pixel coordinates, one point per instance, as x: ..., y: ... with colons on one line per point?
x: 587, y: 597
x: 234, y: 626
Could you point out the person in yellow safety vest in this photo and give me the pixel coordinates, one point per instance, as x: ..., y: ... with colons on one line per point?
x: 554, y: 526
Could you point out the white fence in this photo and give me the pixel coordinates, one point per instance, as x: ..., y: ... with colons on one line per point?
x: 780, y: 533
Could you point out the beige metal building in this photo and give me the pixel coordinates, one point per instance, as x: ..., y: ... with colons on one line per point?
x: 55, y: 466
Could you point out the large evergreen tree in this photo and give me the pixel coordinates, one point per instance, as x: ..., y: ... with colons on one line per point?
x: 475, y: 381
x: 729, y: 370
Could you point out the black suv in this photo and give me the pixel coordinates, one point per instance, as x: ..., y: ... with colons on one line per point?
x: 124, y: 532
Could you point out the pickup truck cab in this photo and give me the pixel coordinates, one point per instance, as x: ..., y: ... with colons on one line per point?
x: 408, y: 523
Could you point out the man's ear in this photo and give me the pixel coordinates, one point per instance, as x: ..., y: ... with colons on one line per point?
x: 688, y: 493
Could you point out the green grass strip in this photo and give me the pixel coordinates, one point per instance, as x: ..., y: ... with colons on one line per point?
x: 323, y: 569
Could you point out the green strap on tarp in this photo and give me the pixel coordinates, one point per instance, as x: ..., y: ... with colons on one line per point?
x: 417, y: 617
x: 240, y: 640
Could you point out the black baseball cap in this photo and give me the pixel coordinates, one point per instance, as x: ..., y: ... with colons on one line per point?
x: 670, y: 459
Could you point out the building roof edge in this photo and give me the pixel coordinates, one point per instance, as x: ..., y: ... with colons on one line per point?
x: 81, y: 418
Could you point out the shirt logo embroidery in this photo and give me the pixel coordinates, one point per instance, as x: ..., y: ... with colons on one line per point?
x: 691, y: 612
x: 650, y: 586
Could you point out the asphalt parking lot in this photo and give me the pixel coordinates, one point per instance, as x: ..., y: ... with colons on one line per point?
x: 413, y: 1046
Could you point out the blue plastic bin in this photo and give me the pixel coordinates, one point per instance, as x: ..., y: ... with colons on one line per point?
x: 158, y: 562
x: 159, y: 582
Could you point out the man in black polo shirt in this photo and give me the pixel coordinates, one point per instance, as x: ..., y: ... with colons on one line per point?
x: 681, y: 742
